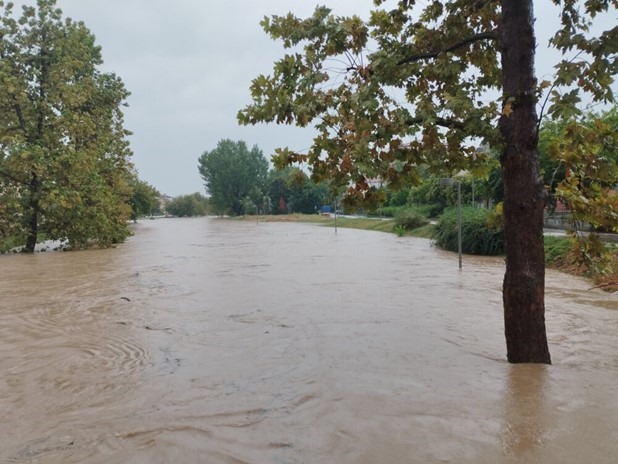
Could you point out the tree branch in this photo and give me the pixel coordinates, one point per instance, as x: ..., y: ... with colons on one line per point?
x: 490, y: 35
x: 443, y: 122
x: 553, y: 86
x: 20, y: 117
x: 13, y: 178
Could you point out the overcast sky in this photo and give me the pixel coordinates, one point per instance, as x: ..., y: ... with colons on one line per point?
x: 189, y: 64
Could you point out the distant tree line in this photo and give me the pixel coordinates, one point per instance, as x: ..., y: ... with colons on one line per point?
x: 238, y: 181
x: 191, y: 205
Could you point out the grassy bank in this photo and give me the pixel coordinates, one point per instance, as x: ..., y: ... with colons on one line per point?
x: 563, y: 254
x: 380, y: 225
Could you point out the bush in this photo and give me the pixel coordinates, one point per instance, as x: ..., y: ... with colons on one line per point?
x: 477, y: 237
x: 558, y: 249
x: 397, y: 198
x: 429, y: 210
x: 400, y: 231
x: 409, y: 219
x: 9, y: 243
x: 188, y: 205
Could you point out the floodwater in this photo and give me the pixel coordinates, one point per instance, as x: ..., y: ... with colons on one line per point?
x: 217, y: 341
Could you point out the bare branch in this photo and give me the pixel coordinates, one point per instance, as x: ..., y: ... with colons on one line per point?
x: 443, y: 122
x: 553, y: 86
x: 604, y: 285
x: 490, y: 35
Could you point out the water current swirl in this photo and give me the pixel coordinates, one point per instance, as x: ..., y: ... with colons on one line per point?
x: 222, y: 341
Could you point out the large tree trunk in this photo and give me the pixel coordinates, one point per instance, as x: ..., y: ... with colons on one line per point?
x: 524, y: 197
x: 33, y: 222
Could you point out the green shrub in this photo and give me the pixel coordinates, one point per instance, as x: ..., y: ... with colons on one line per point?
x: 398, y: 198
x: 557, y: 248
x: 400, y: 231
x: 429, y: 211
x: 477, y: 238
x: 188, y: 205
x: 9, y: 243
x: 409, y: 219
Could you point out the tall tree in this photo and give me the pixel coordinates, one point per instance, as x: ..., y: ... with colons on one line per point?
x: 144, y: 198
x: 64, y: 157
x: 291, y: 189
x: 306, y: 196
x: 424, y: 98
x: 279, y: 190
x: 232, y: 172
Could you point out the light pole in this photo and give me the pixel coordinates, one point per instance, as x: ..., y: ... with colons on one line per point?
x: 447, y: 182
x: 335, y: 215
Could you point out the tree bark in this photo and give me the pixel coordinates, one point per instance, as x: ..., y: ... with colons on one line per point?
x: 33, y: 222
x: 524, y: 196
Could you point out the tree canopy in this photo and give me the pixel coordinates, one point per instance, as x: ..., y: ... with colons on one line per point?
x: 144, y: 198
x: 291, y: 190
x: 64, y: 156
x: 231, y: 173
x: 443, y: 76
x: 579, y: 164
x: 195, y: 204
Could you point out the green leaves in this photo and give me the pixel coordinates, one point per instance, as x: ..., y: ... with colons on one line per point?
x: 231, y: 172
x: 365, y: 128
x: 338, y: 35
x: 588, y: 153
x: 188, y: 205
x: 144, y: 198
x: 421, y: 96
x: 65, y: 157
x: 590, y: 63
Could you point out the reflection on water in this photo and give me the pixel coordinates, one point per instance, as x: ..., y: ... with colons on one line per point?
x: 527, y: 421
x: 211, y: 340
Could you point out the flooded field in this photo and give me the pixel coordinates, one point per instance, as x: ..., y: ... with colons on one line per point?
x: 217, y: 341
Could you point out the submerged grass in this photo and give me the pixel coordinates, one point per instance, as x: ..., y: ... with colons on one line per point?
x: 559, y: 251
x: 379, y: 225
x: 564, y: 254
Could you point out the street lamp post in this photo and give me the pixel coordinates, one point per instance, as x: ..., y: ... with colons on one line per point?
x: 335, y: 215
x: 447, y: 182
x: 459, y: 221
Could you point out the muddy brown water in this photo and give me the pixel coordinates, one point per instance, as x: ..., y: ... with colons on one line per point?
x: 222, y: 341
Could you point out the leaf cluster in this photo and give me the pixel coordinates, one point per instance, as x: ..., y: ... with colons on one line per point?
x: 231, y: 173
x: 144, y: 198
x: 590, y: 62
x: 64, y: 155
x: 582, y: 155
x: 299, y: 193
x: 425, y: 95
x: 192, y: 205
